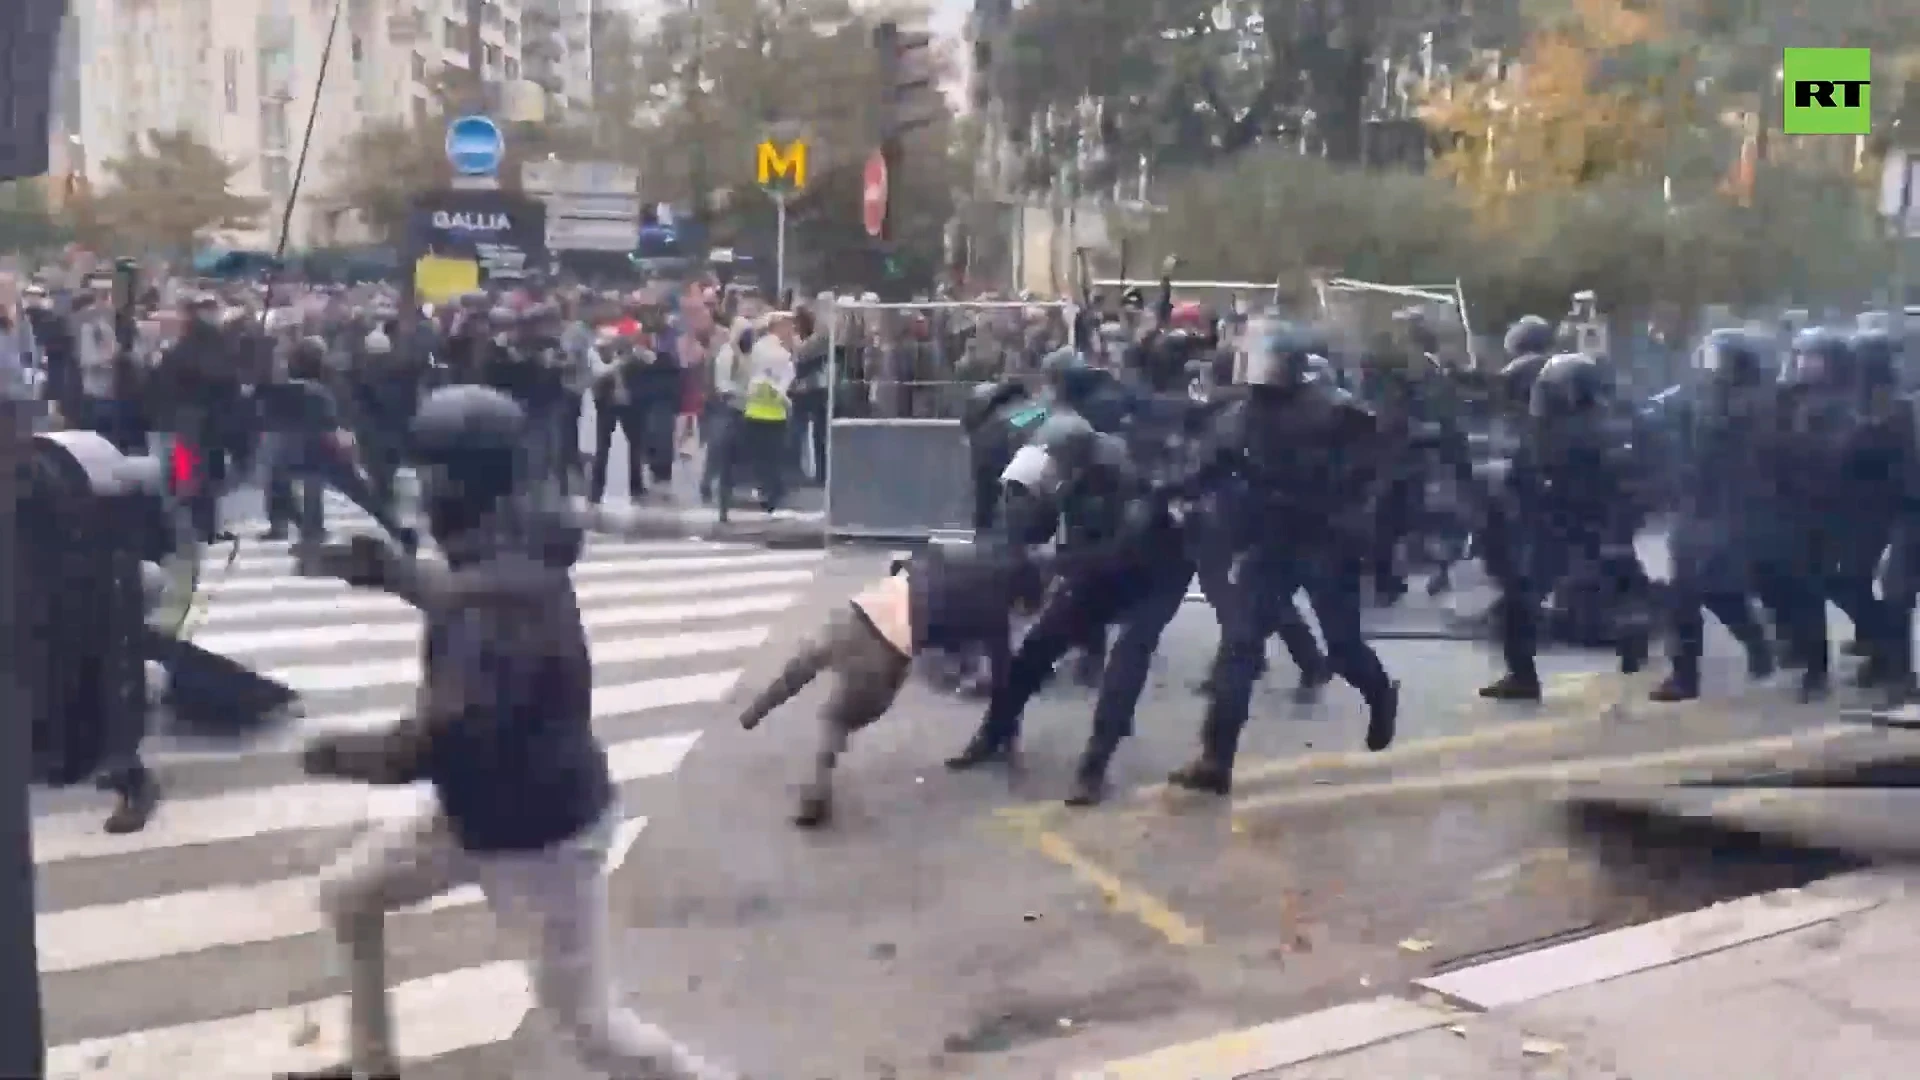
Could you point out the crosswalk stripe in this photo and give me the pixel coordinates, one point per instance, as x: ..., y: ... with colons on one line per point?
x: 224, y: 870
x: 439, y: 1014
x: 352, y: 675
x: 247, y: 572
x: 196, y: 920
x: 609, y: 703
x: 339, y: 600
x: 300, y: 807
x: 241, y: 644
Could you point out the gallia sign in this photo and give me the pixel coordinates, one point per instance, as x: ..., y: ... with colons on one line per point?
x: 472, y: 222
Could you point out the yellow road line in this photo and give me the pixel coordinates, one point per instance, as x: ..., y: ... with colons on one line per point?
x: 1121, y: 896
x: 1551, y: 773
x: 1591, y: 690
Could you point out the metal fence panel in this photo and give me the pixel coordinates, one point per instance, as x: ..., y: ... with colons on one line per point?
x: 897, y: 479
x: 897, y: 457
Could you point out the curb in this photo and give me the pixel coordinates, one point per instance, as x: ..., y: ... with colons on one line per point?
x: 1254, y: 1052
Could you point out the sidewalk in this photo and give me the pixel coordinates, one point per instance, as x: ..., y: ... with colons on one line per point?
x: 1782, y: 986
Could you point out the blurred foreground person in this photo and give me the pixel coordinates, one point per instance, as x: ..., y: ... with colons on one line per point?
x: 526, y: 805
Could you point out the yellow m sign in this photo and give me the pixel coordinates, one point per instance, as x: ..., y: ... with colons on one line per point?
x: 772, y: 166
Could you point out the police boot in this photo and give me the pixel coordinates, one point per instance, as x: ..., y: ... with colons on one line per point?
x: 1206, y: 774
x: 1383, y: 716
x: 1513, y: 687
x: 1760, y: 663
x: 1090, y: 777
x: 136, y: 797
x: 816, y: 808
x: 1814, y: 683
x: 982, y: 749
x: 1681, y: 684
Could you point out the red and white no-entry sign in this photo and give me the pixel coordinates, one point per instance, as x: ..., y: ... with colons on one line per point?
x: 873, y: 195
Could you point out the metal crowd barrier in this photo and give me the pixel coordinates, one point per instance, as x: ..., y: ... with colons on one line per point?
x: 906, y: 478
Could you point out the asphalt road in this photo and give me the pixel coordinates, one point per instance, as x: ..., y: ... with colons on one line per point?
x: 970, y: 926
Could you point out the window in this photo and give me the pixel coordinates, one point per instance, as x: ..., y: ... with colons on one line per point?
x: 420, y: 111
x: 492, y: 56
x: 451, y: 34
x: 277, y: 176
x: 358, y: 52
x: 419, y: 68
x: 512, y: 33
x: 231, y: 65
x: 511, y: 69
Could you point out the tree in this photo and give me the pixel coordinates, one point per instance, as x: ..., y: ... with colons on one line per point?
x: 165, y: 192
x: 1186, y: 83
x: 1550, y: 123
x: 729, y: 74
x: 411, y: 158
x: 27, y: 220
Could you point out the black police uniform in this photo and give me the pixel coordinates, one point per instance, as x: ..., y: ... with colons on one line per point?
x: 1726, y: 496
x: 1125, y: 565
x: 1566, y: 521
x: 1309, y: 455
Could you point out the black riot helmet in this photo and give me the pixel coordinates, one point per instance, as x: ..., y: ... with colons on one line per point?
x: 1062, y: 446
x: 1530, y: 335
x: 1515, y: 381
x: 466, y: 442
x: 1570, y: 384
x: 1280, y: 354
x: 1821, y: 357
x: 1876, y: 359
x: 1731, y: 358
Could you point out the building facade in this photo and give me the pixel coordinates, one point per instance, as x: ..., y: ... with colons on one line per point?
x: 242, y: 76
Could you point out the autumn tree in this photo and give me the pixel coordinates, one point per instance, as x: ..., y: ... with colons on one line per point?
x: 165, y: 192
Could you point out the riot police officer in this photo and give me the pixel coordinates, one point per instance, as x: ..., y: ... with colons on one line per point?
x: 1124, y: 564
x: 1310, y: 456
x: 1566, y: 521
x: 1726, y: 498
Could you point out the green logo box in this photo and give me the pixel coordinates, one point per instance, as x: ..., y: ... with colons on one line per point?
x: 1827, y: 91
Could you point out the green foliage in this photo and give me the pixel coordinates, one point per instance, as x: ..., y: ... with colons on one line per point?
x: 27, y: 221
x: 165, y: 192
x: 1809, y: 237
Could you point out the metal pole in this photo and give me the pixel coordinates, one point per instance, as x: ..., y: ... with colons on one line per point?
x: 780, y: 245
x: 23, y: 1050
x: 1901, y: 242
x: 476, y: 58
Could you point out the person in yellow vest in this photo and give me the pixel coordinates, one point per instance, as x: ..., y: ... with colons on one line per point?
x: 764, y: 412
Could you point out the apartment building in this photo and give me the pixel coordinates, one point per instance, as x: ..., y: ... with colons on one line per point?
x: 242, y: 75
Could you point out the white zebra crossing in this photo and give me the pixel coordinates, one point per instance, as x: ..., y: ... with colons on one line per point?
x: 194, y: 948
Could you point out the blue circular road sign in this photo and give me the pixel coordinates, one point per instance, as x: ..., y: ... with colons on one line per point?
x: 475, y: 146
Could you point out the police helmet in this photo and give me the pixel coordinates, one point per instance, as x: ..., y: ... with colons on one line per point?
x: 1876, y: 357
x: 1062, y: 445
x: 1529, y: 335
x: 1821, y: 357
x: 1280, y: 353
x: 1731, y: 356
x: 1568, y: 384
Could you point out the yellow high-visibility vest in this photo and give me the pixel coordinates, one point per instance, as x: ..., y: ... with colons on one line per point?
x: 765, y: 402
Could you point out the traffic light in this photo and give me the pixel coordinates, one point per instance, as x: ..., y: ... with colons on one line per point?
x: 906, y: 80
